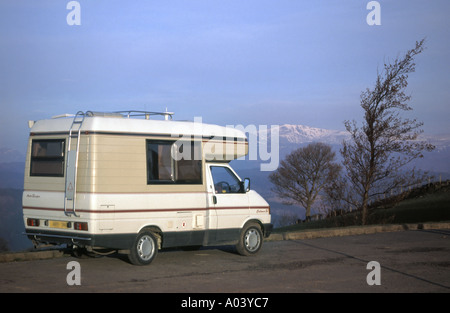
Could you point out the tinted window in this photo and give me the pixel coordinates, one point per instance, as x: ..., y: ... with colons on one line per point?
x: 225, y: 181
x: 174, y: 162
x: 189, y: 165
x: 159, y: 162
x: 47, y: 157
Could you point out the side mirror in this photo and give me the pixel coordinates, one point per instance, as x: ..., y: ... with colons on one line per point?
x: 247, y: 184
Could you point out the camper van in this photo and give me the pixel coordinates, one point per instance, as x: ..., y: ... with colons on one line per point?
x: 135, y: 183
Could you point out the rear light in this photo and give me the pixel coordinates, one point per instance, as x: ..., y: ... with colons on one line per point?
x: 80, y: 226
x: 32, y: 222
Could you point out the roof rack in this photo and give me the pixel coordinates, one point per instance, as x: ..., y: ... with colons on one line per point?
x: 126, y: 114
x: 103, y: 114
x: 146, y: 114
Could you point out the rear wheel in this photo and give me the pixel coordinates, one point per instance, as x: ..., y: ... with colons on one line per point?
x: 250, y: 240
x: 144, y: 249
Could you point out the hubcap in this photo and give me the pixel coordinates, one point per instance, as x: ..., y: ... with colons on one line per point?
x: 252, y: 240
x: 145, y: 248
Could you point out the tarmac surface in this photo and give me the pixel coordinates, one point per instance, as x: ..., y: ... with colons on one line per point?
x: 355, y: 260
x: 298, y: 235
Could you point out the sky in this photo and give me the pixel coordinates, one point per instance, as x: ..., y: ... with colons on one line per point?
x: 260, y: 62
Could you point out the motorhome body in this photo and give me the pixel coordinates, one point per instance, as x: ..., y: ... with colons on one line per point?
x: 97, y: 180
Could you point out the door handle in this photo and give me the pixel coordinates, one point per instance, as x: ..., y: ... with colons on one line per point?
x: 214, y: 199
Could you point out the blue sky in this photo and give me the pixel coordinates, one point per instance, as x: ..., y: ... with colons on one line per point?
x: 230, y: 62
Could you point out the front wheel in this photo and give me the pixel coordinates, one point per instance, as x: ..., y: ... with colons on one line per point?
x: 144, y: 249
x: 250, y: 240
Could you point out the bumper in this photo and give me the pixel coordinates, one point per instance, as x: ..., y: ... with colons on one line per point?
x: 116, y: 241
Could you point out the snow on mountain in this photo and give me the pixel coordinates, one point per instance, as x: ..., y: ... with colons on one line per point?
x: 294, y: 136
x: 291, y: 137
x: 298, y: 134
x: 301, y: 134
x: 10, y: 155
x: 441, y: 142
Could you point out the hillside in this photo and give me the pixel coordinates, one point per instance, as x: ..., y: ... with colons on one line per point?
x: 11, y: 222
x: 11, y: 175
x: 429, y: 203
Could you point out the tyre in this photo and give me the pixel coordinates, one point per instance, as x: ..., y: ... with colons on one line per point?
x: 144, y: 249
x: 250, y: 240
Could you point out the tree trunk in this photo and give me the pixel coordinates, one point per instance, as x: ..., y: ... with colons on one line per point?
x: 364, y: 207
x: 308, y: 211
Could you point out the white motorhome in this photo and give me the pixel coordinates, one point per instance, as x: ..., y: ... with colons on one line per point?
x: 127, y: 182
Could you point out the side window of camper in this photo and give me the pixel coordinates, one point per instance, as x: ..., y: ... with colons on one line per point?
x: 160, y: 167
x: 189, y: 162
x: 47, y: 157
x: 173, y: 162
x: 225, y: 181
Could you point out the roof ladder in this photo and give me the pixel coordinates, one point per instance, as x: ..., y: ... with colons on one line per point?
x: 72, y: 164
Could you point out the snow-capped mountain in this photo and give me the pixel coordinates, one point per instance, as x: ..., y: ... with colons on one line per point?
x: 302, y: 134
x: 291, y: 137
x: 297, y: 134
x: 441, y: 142
x: 10, y: 155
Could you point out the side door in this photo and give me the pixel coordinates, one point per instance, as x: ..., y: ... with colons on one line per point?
x: 231, y: 202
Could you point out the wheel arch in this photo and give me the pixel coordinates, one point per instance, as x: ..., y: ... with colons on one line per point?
x: 156, y: 231
x: 254, y: 221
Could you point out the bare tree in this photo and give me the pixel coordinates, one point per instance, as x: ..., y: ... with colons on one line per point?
x: 378, y: 150
x: 304, y: 174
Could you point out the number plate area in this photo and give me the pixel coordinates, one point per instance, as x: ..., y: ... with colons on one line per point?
x: 58, y: 224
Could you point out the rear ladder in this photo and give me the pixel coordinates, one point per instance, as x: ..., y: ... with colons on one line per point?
x: 70, y: 193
